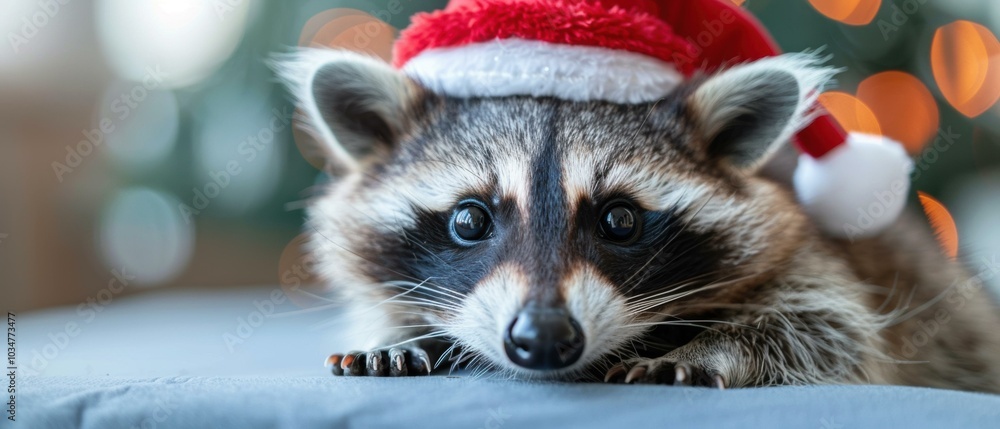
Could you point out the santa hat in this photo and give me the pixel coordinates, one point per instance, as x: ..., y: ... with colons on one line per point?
x: 633, y: 51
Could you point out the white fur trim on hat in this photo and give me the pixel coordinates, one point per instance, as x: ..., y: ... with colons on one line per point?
x: 857, y: 189
x: 506, y: 67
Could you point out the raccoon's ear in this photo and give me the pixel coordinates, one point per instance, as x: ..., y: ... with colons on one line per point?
x: 744, y: 113
x: 358, y: 106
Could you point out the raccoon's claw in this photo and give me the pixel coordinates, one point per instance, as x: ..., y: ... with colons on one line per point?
x: 663, y: 371
x: 612, y: 373
x: 392, y: 361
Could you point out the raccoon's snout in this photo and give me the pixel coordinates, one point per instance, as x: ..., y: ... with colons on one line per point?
x: 544, y: 339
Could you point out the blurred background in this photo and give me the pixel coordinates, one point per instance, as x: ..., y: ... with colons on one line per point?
x: 148, y: 141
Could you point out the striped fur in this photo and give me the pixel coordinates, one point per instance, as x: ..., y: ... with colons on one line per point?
x: 728, y: 275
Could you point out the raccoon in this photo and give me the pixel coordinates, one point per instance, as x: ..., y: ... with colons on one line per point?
x: 637, y: 243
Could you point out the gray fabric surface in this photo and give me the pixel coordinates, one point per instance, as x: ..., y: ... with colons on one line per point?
x: 442, y: 402
x: 160, y: 361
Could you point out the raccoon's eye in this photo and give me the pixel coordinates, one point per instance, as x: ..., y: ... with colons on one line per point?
x: 471, y: 222
x: 619, y: 222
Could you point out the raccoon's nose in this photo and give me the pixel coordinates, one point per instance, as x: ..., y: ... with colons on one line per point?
x: 544, y: 338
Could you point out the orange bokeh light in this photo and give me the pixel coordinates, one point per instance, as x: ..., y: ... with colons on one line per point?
x: 965, y: 58
x: 340, y: 28
x: 350, y: 29
x: 942, y: 223
x: 851, y: 12
x: 905, y: 108
x: 739, y: 2
x: 851, y: 113
x: 309, y: 144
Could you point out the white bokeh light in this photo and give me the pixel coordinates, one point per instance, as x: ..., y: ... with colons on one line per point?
x: 189, y: 39
x: 240, y: 127
x: 976, y: 209
x: 994, y: 23
x: 143, y: 234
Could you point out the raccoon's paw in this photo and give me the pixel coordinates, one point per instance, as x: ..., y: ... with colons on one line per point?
x: 391, y: 361
x: 664, y: 370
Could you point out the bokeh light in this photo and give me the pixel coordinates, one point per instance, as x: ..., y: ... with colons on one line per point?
x: 308, y: 142
x: 142, y: 234
x: 238, y: 143
x: 965, y: 59
x: 975, y: 204
x: 186, y: 39
x: 340, y: 28
x: 145, y: 134
x: 851, y: 12
x: 942, y: 223
x: 349, y: 29
x: 905, y: 108
x: 962, y: 7
x: 852, y: 114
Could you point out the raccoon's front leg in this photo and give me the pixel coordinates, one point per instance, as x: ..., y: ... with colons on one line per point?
x: 414, y: 358
x: 763, y: 349
x: 712, y: 359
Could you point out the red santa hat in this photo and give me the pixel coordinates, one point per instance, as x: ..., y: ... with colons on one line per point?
x: 634, y: 51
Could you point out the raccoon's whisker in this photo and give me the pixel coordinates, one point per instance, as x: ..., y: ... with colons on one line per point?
x: 302, y: 203
x: 478, y: 369
x: 427, y: 304
x: 412, y: 287
x: 637, y: 308
x: 432, y: 325
x: 686, y: 323
x: 430, y: 298
x: 692, y: 280
x: 304, y: 310
x: 892, y: 291
x: 693, y: 325
x: 653, y: 296
x: 902, y: 304
x: 445, y: 293
x: 399, y: 295
x: 317, y: 296
x: 443, y: 325
x: 646, y: 304
x: 654, y: 345
x: 355, y: 254
x: 670, y: 288
x: 418, y: 201
x: 447, y: 353
x: 436, y: 257
x: 435, y: 334
x: 447, y: 304
x: 727, y: 306
x: 931, y: 302
x: 645, y: 119
x: 669, y: 242
x: 440, y: 289
x: 457, y: 361
x: 653, y: 256
x: 487, y: 370
x: 725, y: 280
x: 418, y: 301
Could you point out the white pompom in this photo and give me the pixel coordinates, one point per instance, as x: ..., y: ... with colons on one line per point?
x: 857, y: 189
